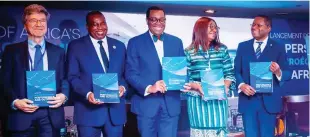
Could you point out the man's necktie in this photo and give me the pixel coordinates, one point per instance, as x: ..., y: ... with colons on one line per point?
x: 38, y: 59
x: 258, y: 51
x: 104, y: 56
x: 161, y: 38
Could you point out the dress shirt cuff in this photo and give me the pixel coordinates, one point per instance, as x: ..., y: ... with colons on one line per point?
x: 12, y: 105
x: 66, y: 99
x: 87, y: 95
x: 147, y: 89
x: 279, y: 77
x: 239, y: 90
x: 124, y: 88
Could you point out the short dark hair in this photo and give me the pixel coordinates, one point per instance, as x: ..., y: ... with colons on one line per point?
x: 153, y: 8
x: 267, y: 19
x: 92, y: 13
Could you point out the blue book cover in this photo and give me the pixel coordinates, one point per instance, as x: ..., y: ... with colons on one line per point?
x: 41, y: 85
x: 261, y: 77
x: 174, y: 72
x: 212, y: 82
x: 105, y: 86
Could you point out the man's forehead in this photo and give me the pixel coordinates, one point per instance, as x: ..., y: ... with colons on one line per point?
x: 259, y: 19
x: 35, y: 14
x: 157, y: 12
x: 97, y: 17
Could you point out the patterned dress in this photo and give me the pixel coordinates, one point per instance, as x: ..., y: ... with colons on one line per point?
x: 208, y: 118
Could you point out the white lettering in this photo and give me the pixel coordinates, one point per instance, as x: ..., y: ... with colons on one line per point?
x: 295, y: 48
x: 24, y: 33
x: 298, y: 74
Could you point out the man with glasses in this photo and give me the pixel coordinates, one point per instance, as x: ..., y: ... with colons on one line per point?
x: 157, y: 109
x: 34, y: 54
x: 259, y: 110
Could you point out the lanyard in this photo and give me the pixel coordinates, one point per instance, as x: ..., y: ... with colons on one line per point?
x: 35, y: 63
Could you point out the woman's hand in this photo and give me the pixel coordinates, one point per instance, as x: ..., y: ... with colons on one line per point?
x: 227, y: 85
x: 193, y: 86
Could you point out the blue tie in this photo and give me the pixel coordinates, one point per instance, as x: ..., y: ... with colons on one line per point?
x: 38, y: 59
x: 104, y: 56
x: 258, y: 51
x: 161, y: 38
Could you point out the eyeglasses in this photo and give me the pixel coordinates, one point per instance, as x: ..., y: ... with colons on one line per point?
x: 258, y: 25
x: 155, y: 20
x: 35, y: 21
x: 213, y: 27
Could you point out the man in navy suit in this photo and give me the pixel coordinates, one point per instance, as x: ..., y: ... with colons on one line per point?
x: 34, y: 54
x: 157, y: 109
x: 259, y: 109
x: 96, y: 53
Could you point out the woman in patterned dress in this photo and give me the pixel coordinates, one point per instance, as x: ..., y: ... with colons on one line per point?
x: 208, y: 118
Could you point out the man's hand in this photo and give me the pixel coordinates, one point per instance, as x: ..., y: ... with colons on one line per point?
x: 25, y: 105
x: 57, y: 101
x: 247, y: 89
x: 92, y: 100
x: 193, y: 86
x: 275, y: 69
x: 121, y: 91
x: 158, y: 86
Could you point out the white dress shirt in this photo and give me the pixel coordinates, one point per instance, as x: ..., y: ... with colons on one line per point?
x: 97, y: 48
x: 159, y: 46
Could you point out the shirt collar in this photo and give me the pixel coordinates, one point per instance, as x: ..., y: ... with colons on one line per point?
x: 32, y: 44
x: 151, y: 34
x: 95, y: 41
x: 264, y: 41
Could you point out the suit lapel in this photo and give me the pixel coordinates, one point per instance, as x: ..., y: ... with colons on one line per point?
x: 92, y: 54
x: 51, y: 58
x: 151, y: 48
x: 24, y: 56
x: 251, y: 50
x: 266, y: 52
x: 166, y: 48
x: 112, y: 53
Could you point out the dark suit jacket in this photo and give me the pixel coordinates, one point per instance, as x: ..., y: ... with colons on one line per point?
x: 246, y: 54
x: 14, y: 67
x: 144, y: 68
x: 82, y: 62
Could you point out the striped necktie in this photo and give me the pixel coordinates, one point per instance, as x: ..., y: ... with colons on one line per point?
x: 258, y: 51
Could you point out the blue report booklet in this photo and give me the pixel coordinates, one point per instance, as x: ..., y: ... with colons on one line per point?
x: 174, y: 72
x: 41, y: 85
x: 212, y: 82
x: 261, y: 78
x: 105, y: 87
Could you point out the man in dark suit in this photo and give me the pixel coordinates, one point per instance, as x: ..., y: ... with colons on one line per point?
x: 259, y: 109
x: 96, y: 53
x: 157, y: 109
x: 34, y: 54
